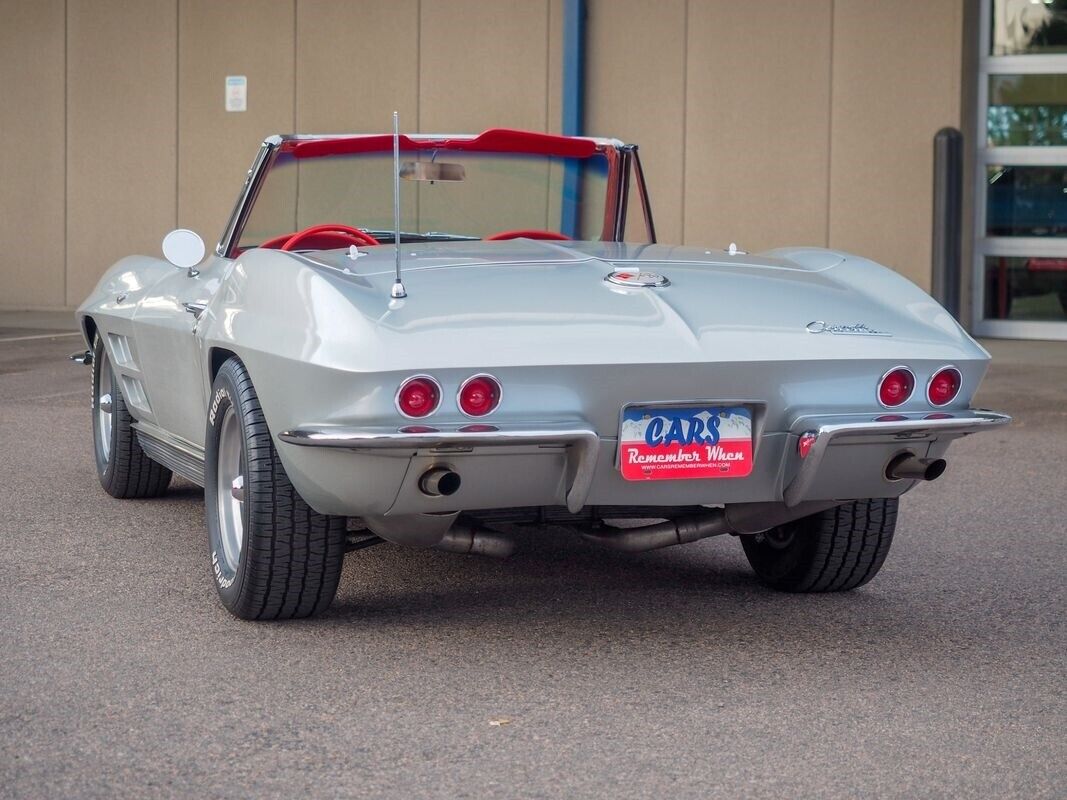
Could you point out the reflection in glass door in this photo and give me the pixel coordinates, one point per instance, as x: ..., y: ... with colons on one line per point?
x: 1020, y: 287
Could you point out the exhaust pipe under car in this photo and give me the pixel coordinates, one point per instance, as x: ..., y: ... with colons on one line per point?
x: 736, y: 519
x: 909, y: 467
x: 439, y: 482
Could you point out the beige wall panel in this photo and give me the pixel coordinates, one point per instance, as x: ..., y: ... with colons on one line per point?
x: 483, y: 65
x: 354, y: 94
x: 757, y: 124
x: 356, y: 62
x: 554, y: 78
x: 254, y: 38
x: 554, y: 119
x: 636, y: 91
x: 31, y: 164
x: 121, y: 134
x: 896, y: 81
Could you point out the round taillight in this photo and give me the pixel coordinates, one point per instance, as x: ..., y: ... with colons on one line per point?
x: 418, y: 397
x: 479, y: 395
x: 896, y: 387
x: 944, y: 386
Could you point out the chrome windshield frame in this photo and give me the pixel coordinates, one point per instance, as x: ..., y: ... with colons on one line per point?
x: 623, y: 163
x: 264, y: 159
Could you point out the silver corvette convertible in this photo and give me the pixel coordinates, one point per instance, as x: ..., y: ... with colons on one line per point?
x: 433, y: 340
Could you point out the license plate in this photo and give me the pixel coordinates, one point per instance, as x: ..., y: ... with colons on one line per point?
x: 658, y: 443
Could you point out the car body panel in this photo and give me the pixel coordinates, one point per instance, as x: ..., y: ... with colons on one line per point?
x: 795, y: 334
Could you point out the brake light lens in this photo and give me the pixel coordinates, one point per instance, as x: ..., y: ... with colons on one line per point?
x: 944, y: 386
x: 418, y: 397
x: 479, y: 395
x: 896, y: 387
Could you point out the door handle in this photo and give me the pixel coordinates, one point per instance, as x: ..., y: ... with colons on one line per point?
x: 196, y: 309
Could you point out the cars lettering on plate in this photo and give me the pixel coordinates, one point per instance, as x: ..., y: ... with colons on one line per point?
x: 691, y: 442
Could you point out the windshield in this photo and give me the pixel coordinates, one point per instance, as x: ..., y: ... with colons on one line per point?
x: 499, y: 192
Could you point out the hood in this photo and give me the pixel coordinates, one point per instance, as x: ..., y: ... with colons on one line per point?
x: 534, y: 302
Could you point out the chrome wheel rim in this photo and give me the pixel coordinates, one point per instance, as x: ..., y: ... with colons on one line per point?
x: 230, y: 491
x: 104, y: 406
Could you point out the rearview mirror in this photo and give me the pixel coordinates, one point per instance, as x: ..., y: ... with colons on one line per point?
x: 184, y: 249
x: 432, y: 171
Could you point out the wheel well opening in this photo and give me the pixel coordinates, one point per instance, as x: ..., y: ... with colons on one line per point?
x: 218, y: 358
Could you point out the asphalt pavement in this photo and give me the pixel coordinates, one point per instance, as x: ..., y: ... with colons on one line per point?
x: 564, y: 671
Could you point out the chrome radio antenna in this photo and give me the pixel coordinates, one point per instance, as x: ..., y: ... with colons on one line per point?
x: 398, y: 285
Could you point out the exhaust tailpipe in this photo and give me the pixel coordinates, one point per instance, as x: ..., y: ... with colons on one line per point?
x: 439, y: 482
x: 909, y: 467
x: 740, y: 518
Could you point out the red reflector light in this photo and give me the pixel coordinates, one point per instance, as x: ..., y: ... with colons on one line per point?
x: 805, y: 443
x: 479, y: 395
x: 944, y: 386
x: 418, y: 396
x: 896, y: 387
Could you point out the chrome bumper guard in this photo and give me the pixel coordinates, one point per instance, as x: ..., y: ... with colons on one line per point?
x: 579, y: 437
x: 828, y: 430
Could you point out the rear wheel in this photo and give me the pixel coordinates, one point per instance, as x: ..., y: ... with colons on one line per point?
x: 272, y: 556
x: 833, y: 551
x: 122, y: 466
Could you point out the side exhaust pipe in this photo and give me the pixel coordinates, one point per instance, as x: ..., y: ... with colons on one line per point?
x: 740, y: 518
x: 439, y: 482
x: 909, y: 467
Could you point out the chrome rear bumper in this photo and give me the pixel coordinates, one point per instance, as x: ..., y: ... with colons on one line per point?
x: 883, y: 429
x: 579, y: 438
x: 816, y: 476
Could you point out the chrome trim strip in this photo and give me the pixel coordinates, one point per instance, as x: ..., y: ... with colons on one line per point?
x: 934, y: 374
x: 245, y: 200
x: 578, y: 435
x: 830, y: 429
x: 650, y: 225
x: 177, y: 455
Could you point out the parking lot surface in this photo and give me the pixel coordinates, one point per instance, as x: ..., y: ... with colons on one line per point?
x: 563, y: 671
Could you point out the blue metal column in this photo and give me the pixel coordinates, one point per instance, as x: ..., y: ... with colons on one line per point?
x: 573, y: 107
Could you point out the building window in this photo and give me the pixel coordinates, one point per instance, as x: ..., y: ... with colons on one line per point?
x: 1020, y: 269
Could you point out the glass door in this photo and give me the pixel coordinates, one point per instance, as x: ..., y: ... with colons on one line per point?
x: 1020, y: 271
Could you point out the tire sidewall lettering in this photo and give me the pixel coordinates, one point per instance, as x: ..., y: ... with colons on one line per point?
x: 221, y: 394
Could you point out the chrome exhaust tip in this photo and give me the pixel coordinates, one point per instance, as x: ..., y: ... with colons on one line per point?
x: 909, y: 467
x: 439, y: 482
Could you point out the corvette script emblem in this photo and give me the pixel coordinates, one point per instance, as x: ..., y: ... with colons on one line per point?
x: 856, y: 329
x: 634, y: 278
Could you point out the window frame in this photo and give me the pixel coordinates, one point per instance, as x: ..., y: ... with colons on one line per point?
x: 986, y: 156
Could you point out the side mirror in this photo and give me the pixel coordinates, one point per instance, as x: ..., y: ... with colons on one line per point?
x: 184, y: 249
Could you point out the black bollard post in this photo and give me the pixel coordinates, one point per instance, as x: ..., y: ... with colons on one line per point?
x: 948, y: 218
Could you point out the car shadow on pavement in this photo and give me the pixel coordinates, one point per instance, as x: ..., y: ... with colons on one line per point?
x: 558, y: 589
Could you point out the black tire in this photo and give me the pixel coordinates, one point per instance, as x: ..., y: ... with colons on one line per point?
x: 833, y: 551
x: 122, y: 466
x: 289, y: 561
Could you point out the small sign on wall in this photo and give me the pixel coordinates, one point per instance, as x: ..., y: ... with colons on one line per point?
x: 236, y: 93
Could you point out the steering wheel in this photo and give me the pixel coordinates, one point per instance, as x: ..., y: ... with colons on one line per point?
x: 330, y: 230
x: 528, y: 234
